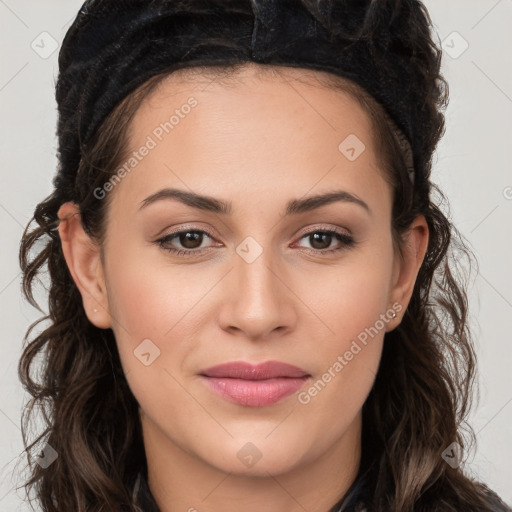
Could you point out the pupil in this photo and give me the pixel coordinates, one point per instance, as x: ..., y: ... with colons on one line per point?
x: 316, y: 236
x: 189, y: 237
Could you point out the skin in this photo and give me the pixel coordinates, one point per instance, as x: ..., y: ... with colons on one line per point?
x: 258, y: 142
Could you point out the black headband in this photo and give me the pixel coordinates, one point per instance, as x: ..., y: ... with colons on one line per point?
x: 114, y: 46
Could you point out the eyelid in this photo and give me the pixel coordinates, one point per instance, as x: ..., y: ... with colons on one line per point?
x: 180, y: 229
x: 160, y: 241
x: 324, y: 227
x: 347, y: 239
x: 305, y: 231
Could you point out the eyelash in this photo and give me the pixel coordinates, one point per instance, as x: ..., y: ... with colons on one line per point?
x: 347, y: 242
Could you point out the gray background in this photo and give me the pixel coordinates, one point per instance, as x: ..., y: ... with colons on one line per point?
x: 472, y: 166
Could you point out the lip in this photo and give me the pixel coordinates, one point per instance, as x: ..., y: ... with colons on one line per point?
x: 254, y: 385
x: 248, y: 371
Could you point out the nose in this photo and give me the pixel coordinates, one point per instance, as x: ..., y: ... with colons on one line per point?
x: 257, y: 299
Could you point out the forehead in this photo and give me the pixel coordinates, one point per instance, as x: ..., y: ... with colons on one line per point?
x: 261, y: 126
x: 291, y: 92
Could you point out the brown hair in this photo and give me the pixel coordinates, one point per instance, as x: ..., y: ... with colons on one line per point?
x: 422, y: 392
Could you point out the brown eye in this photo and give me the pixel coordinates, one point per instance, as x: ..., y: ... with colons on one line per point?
x: 189, y: 240
x: 321, y: 241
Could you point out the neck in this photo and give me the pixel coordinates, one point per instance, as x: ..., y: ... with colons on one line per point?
x: 182, y: 481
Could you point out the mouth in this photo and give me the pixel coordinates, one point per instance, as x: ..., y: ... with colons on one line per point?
x: 254, y: 385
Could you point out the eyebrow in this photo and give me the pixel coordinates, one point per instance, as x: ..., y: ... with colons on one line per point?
x: 212, y: 204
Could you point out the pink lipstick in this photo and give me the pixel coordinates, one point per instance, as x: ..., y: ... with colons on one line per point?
x: 254, y: 385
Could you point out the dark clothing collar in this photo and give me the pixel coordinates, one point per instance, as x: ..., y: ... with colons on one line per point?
x: 353, y: 501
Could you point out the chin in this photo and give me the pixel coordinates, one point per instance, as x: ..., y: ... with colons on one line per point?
x: 256, y: 459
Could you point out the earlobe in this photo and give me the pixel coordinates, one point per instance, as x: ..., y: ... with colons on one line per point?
x: 84, y: 263
x: 407, y: 265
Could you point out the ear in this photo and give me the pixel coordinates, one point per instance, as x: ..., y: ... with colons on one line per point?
x: 84, y: 262
x: 407, y: 265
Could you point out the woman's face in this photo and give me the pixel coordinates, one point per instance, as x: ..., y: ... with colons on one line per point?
x: 258, y: 280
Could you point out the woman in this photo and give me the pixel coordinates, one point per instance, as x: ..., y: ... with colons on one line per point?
x: 200, y: 356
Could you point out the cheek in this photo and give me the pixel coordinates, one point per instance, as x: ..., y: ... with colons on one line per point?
x: 346, y: 361
x: 157, y: 309
x: 151, y: 299
x: 351, y: 297
x: 352, y: 313
x: 152, y: 315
